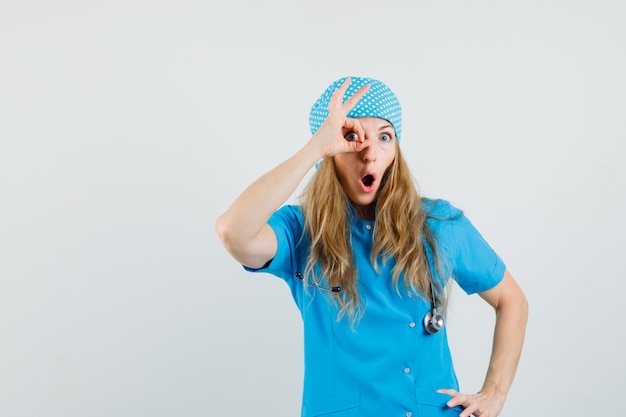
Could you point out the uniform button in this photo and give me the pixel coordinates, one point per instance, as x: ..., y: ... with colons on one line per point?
x: 407, y: 370
x: 412, y: 324
x: 408, y: 414
x: 368, y: 226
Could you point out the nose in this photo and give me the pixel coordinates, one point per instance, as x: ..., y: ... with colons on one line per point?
x: 368, y: 154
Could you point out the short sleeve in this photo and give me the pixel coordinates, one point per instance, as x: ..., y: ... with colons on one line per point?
x: 288, y: 226
x: 473, y: 263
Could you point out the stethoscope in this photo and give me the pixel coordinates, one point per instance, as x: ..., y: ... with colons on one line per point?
x: 315, y: 284
x: 433, y: 320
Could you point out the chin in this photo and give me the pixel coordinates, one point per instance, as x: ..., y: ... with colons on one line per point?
x: 364, y: 202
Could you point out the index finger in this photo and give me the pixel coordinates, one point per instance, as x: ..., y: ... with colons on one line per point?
x: 457, y: 397
x: 448, y: 391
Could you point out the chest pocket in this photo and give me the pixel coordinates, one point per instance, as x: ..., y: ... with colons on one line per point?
x: 346, y: 405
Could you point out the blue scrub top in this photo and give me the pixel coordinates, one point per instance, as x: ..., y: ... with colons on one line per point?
x: 388, y: 365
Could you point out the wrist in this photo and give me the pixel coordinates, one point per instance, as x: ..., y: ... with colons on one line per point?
x: 494, y: 391
x: 315, y: 148
x: 311, y: 154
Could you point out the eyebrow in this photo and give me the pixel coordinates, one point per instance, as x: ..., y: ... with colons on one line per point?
x: 383, y: 127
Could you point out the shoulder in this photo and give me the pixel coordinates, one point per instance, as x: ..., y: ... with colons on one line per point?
x: 293, y: 212
x: 439, y: 209
x: 443, y: 219
x: 288, y: 217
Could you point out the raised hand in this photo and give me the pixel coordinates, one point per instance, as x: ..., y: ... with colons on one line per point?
x: 329, y: 137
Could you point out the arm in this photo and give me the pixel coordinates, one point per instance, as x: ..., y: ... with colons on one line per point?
x: 243, y: 228
x: 511, y: 309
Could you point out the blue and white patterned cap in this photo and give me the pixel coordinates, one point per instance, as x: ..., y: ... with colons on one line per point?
x: 379, y: 102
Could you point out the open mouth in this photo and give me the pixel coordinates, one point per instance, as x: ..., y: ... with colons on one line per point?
x: 367, y: 183
x: 368, y: 180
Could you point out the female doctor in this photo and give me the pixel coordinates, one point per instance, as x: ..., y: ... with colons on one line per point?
x: 368, y: 260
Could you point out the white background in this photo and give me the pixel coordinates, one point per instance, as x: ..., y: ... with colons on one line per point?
x: 127, y: 127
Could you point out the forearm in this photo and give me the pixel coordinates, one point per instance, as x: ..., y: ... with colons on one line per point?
x: 511, y: 308
x: 243, y: 227
x: 248, y: 214
x: 510, y: 327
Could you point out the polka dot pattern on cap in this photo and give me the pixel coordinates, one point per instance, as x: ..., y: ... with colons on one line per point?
x: 379, y: 102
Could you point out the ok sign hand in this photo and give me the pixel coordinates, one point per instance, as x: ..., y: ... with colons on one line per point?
x: 329, y: 137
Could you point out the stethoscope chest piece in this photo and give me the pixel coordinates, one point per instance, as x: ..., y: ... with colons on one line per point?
x: 433, y: 321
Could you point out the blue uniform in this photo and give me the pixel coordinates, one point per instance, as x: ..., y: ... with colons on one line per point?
x: 388, y: 365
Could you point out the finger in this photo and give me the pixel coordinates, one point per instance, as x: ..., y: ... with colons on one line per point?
x: 352, y: 101
x: 468, y: 412
x: 355, y: 126
x: 337, y: 98
x: 448, y: 391
x: 459, y: 399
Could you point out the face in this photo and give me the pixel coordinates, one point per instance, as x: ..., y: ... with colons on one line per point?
x: 361, y: 173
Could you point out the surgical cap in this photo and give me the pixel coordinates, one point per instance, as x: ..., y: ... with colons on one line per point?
x: 378, y: 102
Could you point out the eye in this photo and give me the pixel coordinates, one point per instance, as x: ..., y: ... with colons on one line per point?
x: 351, y: 136
x: 385, y: 137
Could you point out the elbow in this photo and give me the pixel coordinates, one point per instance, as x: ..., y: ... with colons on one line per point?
x: 224, y: 231
x: 522, y: 301
x: 512, y: 302
x: 232, y: 238
x: 519, y: 305
x: 220, y: 228
x: 238, y: 245
x: 524, y: 307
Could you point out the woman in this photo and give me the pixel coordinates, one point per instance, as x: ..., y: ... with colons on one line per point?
x: 367, y: 260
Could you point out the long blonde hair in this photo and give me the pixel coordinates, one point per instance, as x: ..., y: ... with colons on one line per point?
x: 400, y: 233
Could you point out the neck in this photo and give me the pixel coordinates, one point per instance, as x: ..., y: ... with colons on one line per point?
x: 367, y: 212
